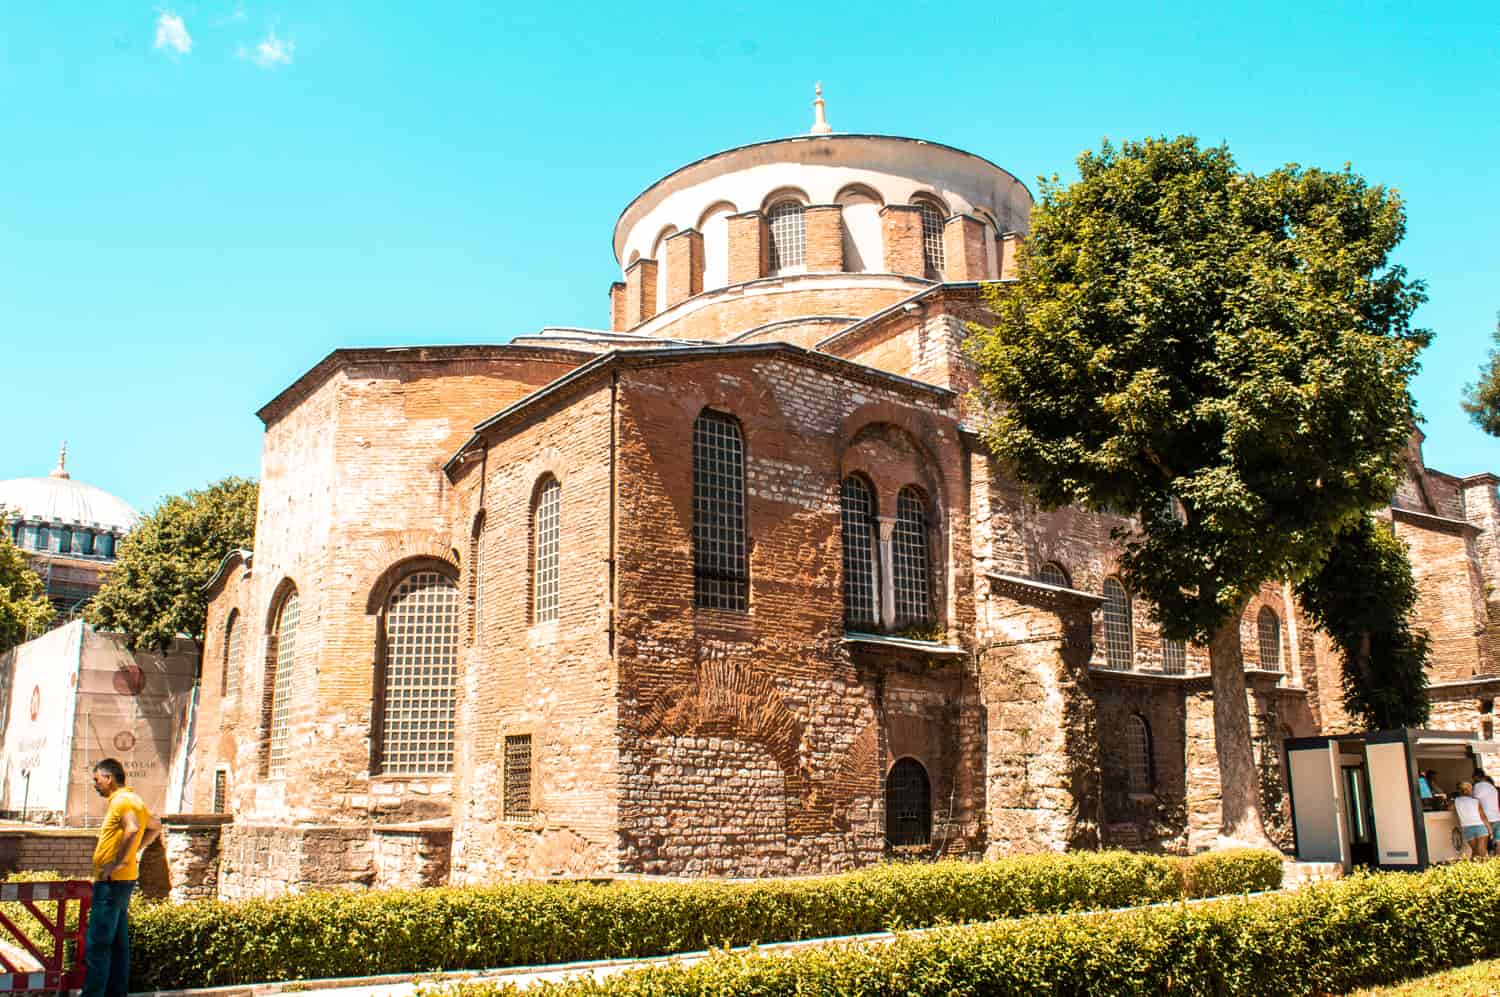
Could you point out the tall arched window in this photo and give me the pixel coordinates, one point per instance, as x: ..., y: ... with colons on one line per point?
x: 43, y: 538
x: 1138, y: 767
x: 283, y: 676
x: 908, y: 804
x: 932, y: 239
x: 1173, y: 656
x: 421, y: 668
x: 546, y: 540
x: 1119, y: 644
x: 234, y: 634
x: 910, y: 569
x: 788, y: 237
x: 861, y: 604
x: 721, y: 571
x: 1053, y: 573
x: 1268, y: 626
x: 476, y: 576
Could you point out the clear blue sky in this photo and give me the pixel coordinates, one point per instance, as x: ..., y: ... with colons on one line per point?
x: 198, y: 201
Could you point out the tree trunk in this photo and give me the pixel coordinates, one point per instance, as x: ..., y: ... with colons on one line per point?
x: 1239, y: 782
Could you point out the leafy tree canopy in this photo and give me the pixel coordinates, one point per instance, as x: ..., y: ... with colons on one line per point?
x: 24, y: 609
x: 1482, y: 399
x: 155, y: 589
x: 1236, y: 343
x: 1363, y: 596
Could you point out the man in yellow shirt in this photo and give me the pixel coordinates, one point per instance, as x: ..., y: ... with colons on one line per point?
x: 127, y: 831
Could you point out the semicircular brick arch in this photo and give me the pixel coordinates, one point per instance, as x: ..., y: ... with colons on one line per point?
x: 390, y: 557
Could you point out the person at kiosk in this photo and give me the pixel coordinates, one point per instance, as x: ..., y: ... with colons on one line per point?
x: 1476, y: 830
x: 1489, y: 806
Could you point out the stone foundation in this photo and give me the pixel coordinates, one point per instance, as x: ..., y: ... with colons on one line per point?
x: 192, y: 843
x: 268, y: 860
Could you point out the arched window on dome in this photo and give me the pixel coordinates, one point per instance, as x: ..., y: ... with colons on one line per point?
x: 787, y: 229
x: 107, y: 546
x: 933, y: 255
x: 15, y: 532
x: 715, y: 228
x: 65, y: 540
x: 41, y: 539
x: 859, y: 219
x: 86, y: 543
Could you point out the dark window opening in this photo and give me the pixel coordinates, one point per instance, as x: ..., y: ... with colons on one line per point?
x: 908, y: 804
x: 518, y: 777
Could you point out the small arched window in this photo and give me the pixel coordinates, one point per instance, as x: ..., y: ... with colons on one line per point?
x: 1119, y: 649
x: 86, y: 543
x: 1138, y: 768
x: 65, y: 540
x: 1053, y: 573
x: 910, y: 567
x: 43, y: 538
x: 421, y: 669
x: 786, y: 225
x: 283, y: 679
x: 721, y: 570
x: 1268, y: 627
x: 234, y: 633
x: 908, y: 804
x: 857, y: 517
x: 107, y: 546
x: 546, y: 542
x: 933, y: 257
x: 1173, y: 656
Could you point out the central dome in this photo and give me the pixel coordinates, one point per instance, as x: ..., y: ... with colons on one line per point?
x: 66, y: 502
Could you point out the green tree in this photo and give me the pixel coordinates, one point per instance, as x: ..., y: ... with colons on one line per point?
x: 24, y: 609
x: 1363, y: 596
x: 1224, y: 353
x: 1482, y: 399
x: 155, y: 589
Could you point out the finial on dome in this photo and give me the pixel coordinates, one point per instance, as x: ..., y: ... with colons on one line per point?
x: 820, y: 121
x: 61, y: 470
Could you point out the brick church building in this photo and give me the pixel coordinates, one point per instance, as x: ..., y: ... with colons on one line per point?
x: 732, y: 587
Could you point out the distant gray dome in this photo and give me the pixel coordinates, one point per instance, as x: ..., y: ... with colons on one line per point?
x: 59, y: 499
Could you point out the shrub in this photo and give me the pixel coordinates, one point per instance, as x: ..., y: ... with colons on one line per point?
x: 213, y: 943
x: 1332, y: 938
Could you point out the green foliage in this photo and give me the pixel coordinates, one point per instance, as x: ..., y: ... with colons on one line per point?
x: 1239, y: 343
x: 24, y: 609
x: 1326, y: 939
x: 357, y: 934
x: 155, y: 589
x: 1363, y: 596
x: 1482, y: 399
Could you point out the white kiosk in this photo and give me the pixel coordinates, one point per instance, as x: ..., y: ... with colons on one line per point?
x: 1355, y: 797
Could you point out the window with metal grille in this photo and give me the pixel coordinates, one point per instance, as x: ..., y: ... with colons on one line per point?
x: 1138, y: 755
x: 421, y: 657
x: 518, y: 777
x: 1052, y: 573
x: 221, y: 790
x: 1119, y: 651
x: 1268, y: 624
x: 721, y: 573
x: 476, y: 575
x: 909, y: 559
x: 788, y: 236
x: 234, y: 634
x: 546, y: 533
x: 282, y: 678
x: 857, y: 516
x: 1173, y: 656
x: 908, y: 804
x: 932, y: 239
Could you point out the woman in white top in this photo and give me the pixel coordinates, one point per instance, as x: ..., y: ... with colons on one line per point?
x: 1471, y: 820
x: 1489, y: 805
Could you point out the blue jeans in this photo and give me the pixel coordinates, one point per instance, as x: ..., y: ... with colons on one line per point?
x: 106, y: 950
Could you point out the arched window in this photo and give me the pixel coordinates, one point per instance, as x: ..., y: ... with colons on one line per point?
x: 283, y: 677
x: 476, y: 575
x: 546, y: 539
x: 1138, y: 768
x: 721, y: 572
x: 859, y: 222
x: 1268, y: 625
x: 1053, y: 573
x: 86, y: 543
x: 1173, y: 656
x: 234, y: 634
x: 65, y: 540
x: 1119, y: 645
x: 909, y: 559
x: 15, y: 532
x: 861, y: 605
x: 788, y: 237
x: 908, y: 804
x: 421, y: 668
x: 107, y: 542
x: 932, y: 239
x: 43, y: 538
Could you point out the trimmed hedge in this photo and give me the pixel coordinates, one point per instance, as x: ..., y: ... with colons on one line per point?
x: 1328, y: 939
x: 211, y: 943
